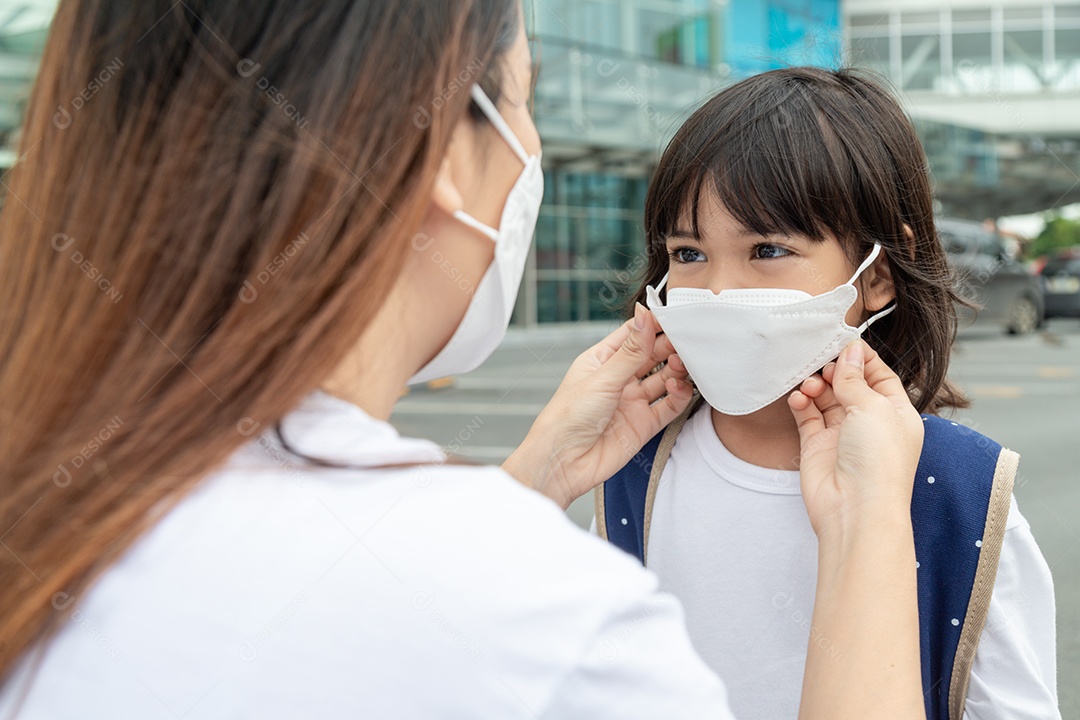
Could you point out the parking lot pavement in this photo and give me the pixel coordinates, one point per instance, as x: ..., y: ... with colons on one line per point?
x: 1025, y: 392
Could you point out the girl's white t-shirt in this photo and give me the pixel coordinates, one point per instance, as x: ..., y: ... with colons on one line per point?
x: 733, y: 542
x: 281, y: 590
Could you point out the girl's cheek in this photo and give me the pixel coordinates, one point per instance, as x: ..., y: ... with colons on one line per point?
x: 855, y: 315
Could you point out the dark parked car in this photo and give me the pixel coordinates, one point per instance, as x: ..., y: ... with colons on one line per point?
x: 1008, y: 295
x: 1061, y: 281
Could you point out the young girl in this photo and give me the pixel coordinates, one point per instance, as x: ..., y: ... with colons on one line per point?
x: 789, y: 215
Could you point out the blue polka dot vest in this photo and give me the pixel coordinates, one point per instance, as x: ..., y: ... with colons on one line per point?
x: 959, y: 507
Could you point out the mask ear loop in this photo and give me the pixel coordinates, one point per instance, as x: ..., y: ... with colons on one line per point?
x: 874, y: 252
x: 874, y: 318
x: 862, y: 268
x: 496, y: 119
x: 475, y: 224
x: 654, y: 292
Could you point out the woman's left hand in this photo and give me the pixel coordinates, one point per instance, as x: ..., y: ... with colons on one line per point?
x: 603, y: 413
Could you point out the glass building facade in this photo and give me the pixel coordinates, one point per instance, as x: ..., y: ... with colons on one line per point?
x: 617, y: 77
x: 1016, y: 47
x: 23, y: 26
x: 995, y: 91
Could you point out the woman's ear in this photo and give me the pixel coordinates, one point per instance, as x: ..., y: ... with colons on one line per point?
x: 446, y: 196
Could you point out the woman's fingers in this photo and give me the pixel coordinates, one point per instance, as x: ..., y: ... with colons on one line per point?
x: 880, y: 376
x: 661, y: 347
x: 824, y: 398
x: 635, y: 350
x: 671, y: 405
x: 610, y: 345
x: 828, y: 371
x: 849, y: 379
x: 655, y: 385
x: 813, y: 386
x: 807, y: 416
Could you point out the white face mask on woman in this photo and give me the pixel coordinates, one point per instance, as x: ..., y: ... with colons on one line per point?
x: 746, y: 348
x: 488, y: 315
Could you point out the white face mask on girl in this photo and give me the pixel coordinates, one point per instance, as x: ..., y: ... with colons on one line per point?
x: 745, y: 349
x: 488, y: 315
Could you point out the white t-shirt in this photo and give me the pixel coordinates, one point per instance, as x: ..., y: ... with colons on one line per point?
x: 279, y: 590
x: 733, y: 542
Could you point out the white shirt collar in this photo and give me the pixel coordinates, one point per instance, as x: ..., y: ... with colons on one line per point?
x: 736, y: 470
x: 328, y: 428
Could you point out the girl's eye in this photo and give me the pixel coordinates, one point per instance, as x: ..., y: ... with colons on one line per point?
x: 768, y: 251
x: 686, y: 255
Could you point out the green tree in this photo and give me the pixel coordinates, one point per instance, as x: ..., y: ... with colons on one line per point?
x: 1059, y: 233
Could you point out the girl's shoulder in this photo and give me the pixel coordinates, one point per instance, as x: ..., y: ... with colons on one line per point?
x: 953, y: 451
x: 960, y: 506
x: 943, y: 431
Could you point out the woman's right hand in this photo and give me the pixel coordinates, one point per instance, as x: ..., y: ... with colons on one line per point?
x: 607, y: 407
x: 860, y: 441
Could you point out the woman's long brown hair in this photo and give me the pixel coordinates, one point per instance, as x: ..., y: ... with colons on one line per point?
x: 212, y: 200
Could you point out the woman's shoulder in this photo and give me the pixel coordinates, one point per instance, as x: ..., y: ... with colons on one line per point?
x: 439, y: 518
x: 369, y: 584
x: 456, y: 573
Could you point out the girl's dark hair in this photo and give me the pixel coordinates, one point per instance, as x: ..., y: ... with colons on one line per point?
x: 182, y: 254
x: 814, y: 152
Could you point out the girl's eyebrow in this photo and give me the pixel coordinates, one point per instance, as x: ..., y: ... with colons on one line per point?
x: 678, y: 234
x: 769, y: 237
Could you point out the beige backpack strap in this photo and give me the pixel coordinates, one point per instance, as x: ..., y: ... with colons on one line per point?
x: 663, y: 452
x: 997, y: 514
x: 598, y: 510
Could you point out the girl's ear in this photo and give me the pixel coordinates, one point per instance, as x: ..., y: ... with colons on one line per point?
x: 910, y: 235
x: 878, y: 289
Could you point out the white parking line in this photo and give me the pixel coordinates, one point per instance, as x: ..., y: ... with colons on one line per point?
x: 1020, y: 389
x: 1033, y: 370
x: 485, y: 452
x: 410, y: 407
x: 492, y: 383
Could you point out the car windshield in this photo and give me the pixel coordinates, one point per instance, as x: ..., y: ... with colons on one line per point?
x: 1058, y: 265
x: 953, y: 244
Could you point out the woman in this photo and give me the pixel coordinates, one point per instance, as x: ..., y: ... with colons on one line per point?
x: 221, y: 266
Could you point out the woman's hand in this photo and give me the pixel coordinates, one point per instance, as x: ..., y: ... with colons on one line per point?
x: 860, y: 444
x: 860, y: 440
x: 603, y: 412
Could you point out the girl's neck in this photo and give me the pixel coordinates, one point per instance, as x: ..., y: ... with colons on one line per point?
x: 767, y: 438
